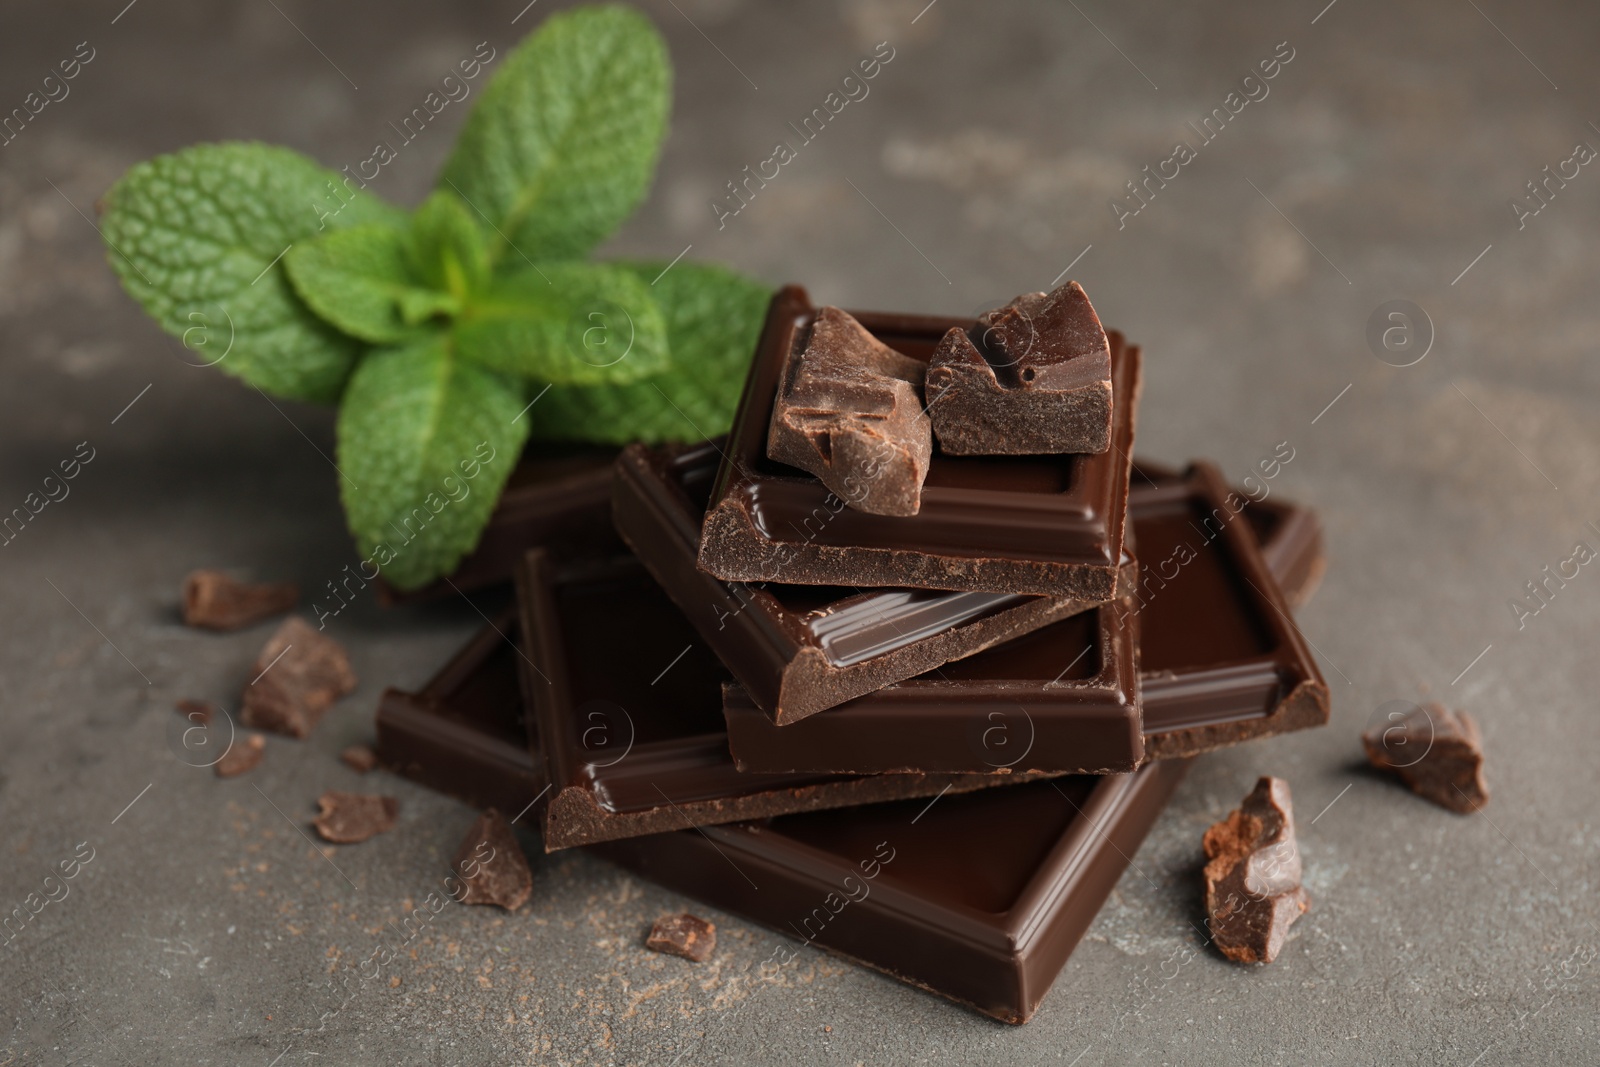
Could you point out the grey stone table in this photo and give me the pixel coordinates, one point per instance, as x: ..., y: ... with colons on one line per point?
x: 1380, y: 165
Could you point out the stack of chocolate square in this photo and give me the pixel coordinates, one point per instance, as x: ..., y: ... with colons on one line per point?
x: 907, y: 665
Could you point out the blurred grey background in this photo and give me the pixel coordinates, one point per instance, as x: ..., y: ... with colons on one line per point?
x: 1380, y: 166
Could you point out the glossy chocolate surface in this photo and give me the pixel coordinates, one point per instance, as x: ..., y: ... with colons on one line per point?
x: 463, y: 733
x: 979, y: 898
x: 627, y: 710
x: 1049, y: 525
x: 801, y: 648
x: 1220, y: 662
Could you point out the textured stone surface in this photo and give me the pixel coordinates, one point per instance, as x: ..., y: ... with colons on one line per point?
x: 205, y: 927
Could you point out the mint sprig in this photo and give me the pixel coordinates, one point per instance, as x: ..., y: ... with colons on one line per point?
x: 434, y: 329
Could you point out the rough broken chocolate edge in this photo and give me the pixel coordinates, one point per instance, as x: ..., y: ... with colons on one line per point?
x: 1304, y: 708
x: 830, y: 686
x: 733, y: 549
x: 973, y: 415
x: 574, y: 817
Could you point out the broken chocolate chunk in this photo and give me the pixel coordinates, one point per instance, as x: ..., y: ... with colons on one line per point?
x: 298, y: 676
x: 1437, y: 752
x: 1252, y: 876
x: 683, y: 935
x: 491, y: 865
x: 350, y: 818
x: 849, y: 410
x: 1031, y: 378
x: 199, y: 712
x: 243, y: 755
x: 215, y: 601
x: 359, y: 758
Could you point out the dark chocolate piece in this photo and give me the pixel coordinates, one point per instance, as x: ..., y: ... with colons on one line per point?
x: 849, y: 410
x: 351, y: 818
x: 634, y: 743
x: 298, y: 675
x: 491, y: 865
x: 1010, y: 524
x: 979, y: 898
x: 1290, y: 536
x: 683, y: 935
x: 798, y: 649
x: 359, y: 758
x: 982, y: 902
x: 215, y: 601
x: 1437, y: 753
x: 550, y: 500
x: 1031, y: 378
x: 1220, y: 662
x: 1061, y: 699
x: 243, y: 755
x: 1252, y: 876
x: 463, y: 732
x: 199, y: 712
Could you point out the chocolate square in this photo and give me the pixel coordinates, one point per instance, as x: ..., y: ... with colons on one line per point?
x: 1047, y: 525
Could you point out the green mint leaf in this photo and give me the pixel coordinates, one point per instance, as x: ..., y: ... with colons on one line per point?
x: 714, y: 319
x: 360, y: 281
x: 561, y: 147
x: 445, y: 248
x: 197, y: 238
x: 566, y: 322
x: 426, y: 443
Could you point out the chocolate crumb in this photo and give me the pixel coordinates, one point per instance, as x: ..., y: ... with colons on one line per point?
x: 200, y: 712
x: 214, y: 601
x: 1436, y: 752
x: 359, y: 758
x: 1252, y: 876
x: 849, y: 410
x: 243, y: 755
x: 297, y: 677
x: 350, y: 818
x: 491, y: 865
x: 683, y: 935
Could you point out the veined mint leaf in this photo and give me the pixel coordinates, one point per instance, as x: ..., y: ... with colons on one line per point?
x: 426, y: 443
x: 197, y: 238
x: 360, y: 280
x: 445, y: 248
x: 561, y: 146
x: 714, y: 319
x: 566, y: 322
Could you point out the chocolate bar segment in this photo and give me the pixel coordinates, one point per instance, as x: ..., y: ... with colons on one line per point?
x: 979, y: 898
x: 1220, y: 662
x: 1047, y: 525
x: 1289, y: 536
x: 849, y: 410
x: 797, y: 649
x: 463, y: 732
x: 1033, y: 377
x: 631, y: 736
x: 1064, y: 698
x: 550, y: 499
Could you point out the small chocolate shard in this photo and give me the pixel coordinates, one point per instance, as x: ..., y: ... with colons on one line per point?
x: 350, y: 818
x: 683, y: 935
x: 243, y: 755
x: 1030, y: 378
x: 199, y: 712
x: 1437, y: 752
x: 491, y: 865
x: 359, y: 758
x: 850, y: 411
x: 215, y: 601
x: 1252, y: 876
x: 298, y: 675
